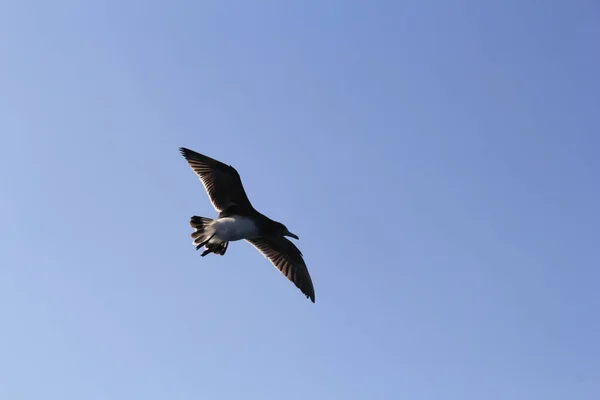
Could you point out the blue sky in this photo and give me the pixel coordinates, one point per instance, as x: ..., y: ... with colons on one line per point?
x: 439, y: 161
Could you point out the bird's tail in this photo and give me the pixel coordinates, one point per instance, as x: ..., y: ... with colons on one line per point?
x: 203, y: 234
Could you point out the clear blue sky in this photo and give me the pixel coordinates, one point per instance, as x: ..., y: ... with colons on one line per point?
x: 439, y: 161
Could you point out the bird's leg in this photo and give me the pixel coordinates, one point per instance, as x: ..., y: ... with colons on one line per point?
x: 205, y: 242
x: 207, y: 251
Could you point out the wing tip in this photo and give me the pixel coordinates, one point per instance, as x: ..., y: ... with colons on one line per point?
x: 309, y: 292
x: 184, y: 151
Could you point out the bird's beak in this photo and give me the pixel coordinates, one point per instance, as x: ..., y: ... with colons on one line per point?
x: 290, y: 234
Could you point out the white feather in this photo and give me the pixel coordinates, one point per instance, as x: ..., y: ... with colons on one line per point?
x: 230, y: 229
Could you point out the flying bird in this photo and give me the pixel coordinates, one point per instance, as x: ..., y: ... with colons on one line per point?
x: 239, y: 220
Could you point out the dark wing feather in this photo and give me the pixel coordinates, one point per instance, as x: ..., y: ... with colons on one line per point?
x: 284, y: 255
x: 221, y: 181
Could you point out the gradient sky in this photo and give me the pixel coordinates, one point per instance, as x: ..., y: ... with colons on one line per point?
x: 439, y: 161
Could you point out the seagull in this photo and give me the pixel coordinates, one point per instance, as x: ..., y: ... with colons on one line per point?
x: 239, y: 220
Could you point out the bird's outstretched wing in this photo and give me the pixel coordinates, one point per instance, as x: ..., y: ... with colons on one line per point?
x: 221, y: 181
x: 284, y: 255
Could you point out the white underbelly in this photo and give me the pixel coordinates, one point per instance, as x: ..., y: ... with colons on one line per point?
x: 234, y: 228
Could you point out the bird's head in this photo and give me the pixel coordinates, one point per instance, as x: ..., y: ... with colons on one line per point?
x: 284, y: 231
